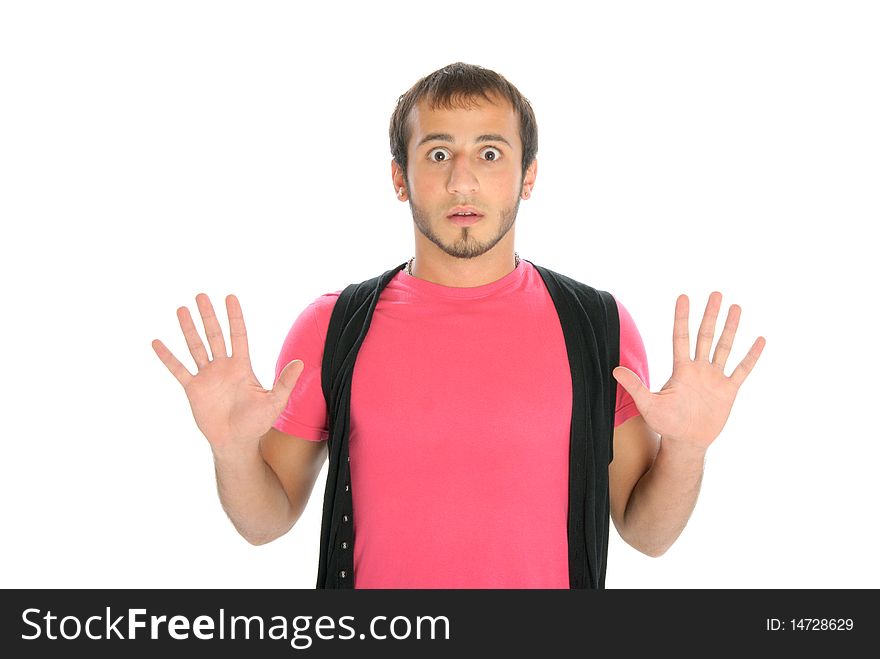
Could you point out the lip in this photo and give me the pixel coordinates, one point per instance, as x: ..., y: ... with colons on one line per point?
x: 464, y: 220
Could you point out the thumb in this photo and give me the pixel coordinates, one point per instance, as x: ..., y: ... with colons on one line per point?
x: 287, y: 379
x: 633, y: 386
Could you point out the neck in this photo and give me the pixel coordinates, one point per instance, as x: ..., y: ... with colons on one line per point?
x: 464, y: 273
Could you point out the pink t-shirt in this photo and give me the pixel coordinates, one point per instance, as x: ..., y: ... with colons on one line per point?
x: 459, y: 431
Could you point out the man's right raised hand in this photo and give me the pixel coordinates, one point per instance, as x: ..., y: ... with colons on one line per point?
x: 230, y: 407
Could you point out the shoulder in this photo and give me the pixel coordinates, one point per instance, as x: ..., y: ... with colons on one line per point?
x: 357, y: 294
x: 589, y: 296
x: 632, y: 347
x: 626, y: 319
x: 321, y: 308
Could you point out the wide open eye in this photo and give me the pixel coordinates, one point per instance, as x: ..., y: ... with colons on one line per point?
x: 492, y: 151
x: 438, y: 150
x: 495, y: 153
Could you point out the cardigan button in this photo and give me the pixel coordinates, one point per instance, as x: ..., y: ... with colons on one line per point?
x: 345, y: 518
x: 345, y: 545
x: 347, y: 488
x: 342, y: 574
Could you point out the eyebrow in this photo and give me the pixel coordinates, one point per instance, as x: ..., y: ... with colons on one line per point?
x: 446, y: 137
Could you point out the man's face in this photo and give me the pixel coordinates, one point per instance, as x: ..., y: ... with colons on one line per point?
x: 465, y: 157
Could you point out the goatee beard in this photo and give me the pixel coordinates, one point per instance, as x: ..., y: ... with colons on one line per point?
x: 466, y: 245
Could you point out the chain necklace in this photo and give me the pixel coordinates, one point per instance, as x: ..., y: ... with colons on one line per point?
x: 410, y: 262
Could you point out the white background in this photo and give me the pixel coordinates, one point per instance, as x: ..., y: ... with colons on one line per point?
x: 150, y: 151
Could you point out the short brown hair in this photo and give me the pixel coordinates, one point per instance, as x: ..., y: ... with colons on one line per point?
x: 453, y: 86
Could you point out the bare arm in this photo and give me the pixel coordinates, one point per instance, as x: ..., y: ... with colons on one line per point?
x: 654, y: 482
x: 265, y: 491
x: 653, y: 487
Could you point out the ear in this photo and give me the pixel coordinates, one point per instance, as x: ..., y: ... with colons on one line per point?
x: 397, y: 179
x: 529, y: 179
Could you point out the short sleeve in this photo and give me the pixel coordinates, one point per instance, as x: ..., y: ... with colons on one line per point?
x: 633, y: 357
x: 306, y: 412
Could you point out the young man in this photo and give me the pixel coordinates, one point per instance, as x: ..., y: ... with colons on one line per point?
x: 461, y: 397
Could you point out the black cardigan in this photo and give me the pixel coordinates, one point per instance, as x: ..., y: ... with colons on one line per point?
x: 591, y: 328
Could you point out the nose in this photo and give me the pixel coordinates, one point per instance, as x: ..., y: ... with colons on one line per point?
x: 462, y: 180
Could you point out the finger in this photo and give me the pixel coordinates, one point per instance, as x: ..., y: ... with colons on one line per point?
x: 748, y: 363
x: 212, y: 326
x: 681, y: 342
x: 193, y: 340
x: 177, y: 369
x: 725, y: 341
x: 707, y: 328
x: 286, y: 381
x: 237, y: 330
x: 633, y: 385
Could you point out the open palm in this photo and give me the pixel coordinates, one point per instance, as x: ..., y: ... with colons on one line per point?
x: 229, y: 405
x: 694, y: 404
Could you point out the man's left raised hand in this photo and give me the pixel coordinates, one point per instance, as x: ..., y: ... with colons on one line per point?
x: 694, y: 404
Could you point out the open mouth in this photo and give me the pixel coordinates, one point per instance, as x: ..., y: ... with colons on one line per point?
x: 464, y: 215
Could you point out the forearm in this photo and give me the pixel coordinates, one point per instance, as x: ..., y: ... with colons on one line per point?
x: 252, y: 495
x: 664, y: 498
